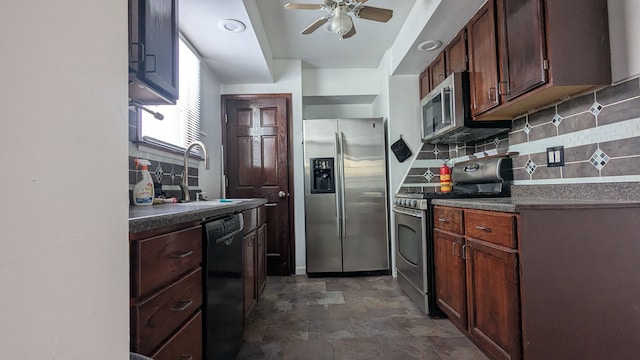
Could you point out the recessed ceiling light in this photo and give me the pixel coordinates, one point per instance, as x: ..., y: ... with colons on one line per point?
x: 429, y: 45
x: 232, y: 25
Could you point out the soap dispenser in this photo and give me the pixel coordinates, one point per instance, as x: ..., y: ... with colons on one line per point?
x: 143, y: 191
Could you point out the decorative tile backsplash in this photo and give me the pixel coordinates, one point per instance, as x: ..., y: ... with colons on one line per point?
x: 167, y: 171
x: 600, y: 132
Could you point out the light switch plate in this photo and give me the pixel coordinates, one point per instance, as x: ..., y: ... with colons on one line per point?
x: 555, y: 156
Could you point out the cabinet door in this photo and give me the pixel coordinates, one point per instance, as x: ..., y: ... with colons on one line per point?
x: 483, y: 60
x: 451, y: 292
x: 456, y: 54
x: 249, y: 242
x: 522, y: 46
x: 437, y: 71
x: 261, y: 260
x: 425, y: 87
x: 493, y: 299
x: 154, y: 45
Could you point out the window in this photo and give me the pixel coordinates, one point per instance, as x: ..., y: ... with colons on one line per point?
x: 181, y: 123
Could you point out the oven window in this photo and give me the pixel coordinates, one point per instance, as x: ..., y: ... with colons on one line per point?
x: 408, y: 243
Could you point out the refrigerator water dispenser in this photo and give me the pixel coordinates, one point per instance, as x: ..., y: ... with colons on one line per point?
x: 323, y: 179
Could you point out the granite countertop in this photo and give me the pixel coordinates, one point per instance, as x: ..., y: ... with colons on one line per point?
x: 143, y: 218
x: 515, y: 205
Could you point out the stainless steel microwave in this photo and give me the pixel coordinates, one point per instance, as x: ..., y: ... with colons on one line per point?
x: 446, y: 114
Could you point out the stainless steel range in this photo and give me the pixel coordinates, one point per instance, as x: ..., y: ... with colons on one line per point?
x: 414, y: 224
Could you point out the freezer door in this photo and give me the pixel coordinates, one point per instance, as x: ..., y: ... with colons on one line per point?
x: 323, y: 243
x: 365, y: 243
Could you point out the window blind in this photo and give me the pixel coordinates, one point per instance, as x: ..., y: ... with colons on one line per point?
x: 181, y: 123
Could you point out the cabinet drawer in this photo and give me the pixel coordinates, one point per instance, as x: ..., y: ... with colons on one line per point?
x: 497, y: 228
x: 154, y: 319
x: 185, y: 344
x: 448, y: 219
x: 159, y: 260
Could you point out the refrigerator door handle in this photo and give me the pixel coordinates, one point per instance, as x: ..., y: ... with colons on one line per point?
x: 343, y: 210
x: 338, y: 175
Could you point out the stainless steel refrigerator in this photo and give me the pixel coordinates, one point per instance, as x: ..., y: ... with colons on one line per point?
x: 345, y: 196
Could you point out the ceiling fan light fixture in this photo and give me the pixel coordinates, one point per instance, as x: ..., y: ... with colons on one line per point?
x: 232, y: 25
x: 429, y: 45
x: 341, y: 23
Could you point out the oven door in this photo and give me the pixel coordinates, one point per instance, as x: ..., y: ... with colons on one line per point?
x: 410, y: 231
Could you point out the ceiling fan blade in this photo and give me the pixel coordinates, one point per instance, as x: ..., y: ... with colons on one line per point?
x: 375, y: 14
x: 294, y: 6
x: 350, y: 33
x: 361, y: 1
x: 316, y: 24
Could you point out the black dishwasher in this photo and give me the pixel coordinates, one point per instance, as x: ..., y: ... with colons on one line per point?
x: 223, y: 287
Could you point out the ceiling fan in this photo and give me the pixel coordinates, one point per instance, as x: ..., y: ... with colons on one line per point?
x: 338, y: 15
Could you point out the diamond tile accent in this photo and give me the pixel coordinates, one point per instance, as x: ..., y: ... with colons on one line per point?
x: 527, y: 128
x: 599, y: 159
x: 436, y: 151
x: 530, y: 167
x: 159, y: 173
x: 596, y: 108
x: 428, y: 175
x: 496, y: 141
x: 557, y: 120
x: 172, y: 174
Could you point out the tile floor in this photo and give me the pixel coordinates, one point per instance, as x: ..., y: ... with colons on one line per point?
x: 347, y: 318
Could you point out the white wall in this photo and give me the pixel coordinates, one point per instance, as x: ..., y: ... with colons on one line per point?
x: 338, y: 82
x: 64, y: 263
x: 338, y: 110
x: 624, y: 28
x: 288, y: 75
x: 210, y: 181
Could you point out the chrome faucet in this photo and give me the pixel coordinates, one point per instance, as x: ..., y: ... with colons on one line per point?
x: 184, y: 186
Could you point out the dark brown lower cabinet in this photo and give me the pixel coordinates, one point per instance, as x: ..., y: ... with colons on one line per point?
x: 254, y: 256
x: 477, y: 277
x: 185, y: 344
x: 450, y: 271
x: 493, y: 298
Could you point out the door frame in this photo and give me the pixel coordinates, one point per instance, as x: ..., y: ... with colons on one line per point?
x: 290, y: 172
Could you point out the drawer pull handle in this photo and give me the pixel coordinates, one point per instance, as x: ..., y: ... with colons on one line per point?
x: 184, y: 305
x: 480, y: 227
x: 183, y: 255
x: 186, y: 357
x: 443, y: 220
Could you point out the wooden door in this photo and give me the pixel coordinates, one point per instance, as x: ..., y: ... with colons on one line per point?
x: 451, y: 288
x: 522, y: 46
x: 483, y: 60
x: 493, y: 297
x: 256, y: 142
x: 437, y: 71
x: 456, y: 54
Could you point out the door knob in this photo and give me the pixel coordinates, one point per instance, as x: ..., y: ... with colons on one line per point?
x: 282, y: 194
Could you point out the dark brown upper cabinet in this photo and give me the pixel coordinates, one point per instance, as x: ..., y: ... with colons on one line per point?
x: 456, y: 54
x: 153, y: 51
x: 425, y: 87
x: 522, y: 46
x: 483, y: 60
x: 546, y: 51
x: 437, y: 71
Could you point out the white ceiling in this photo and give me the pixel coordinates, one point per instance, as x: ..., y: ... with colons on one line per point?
x: 274, y: 33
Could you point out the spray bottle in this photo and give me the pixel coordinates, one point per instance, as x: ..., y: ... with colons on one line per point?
x: 143, y: 191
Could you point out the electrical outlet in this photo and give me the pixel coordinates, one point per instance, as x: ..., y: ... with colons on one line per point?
x: 555, y: 156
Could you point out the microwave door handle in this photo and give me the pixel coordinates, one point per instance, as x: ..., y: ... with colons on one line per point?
x: 445, y: 90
